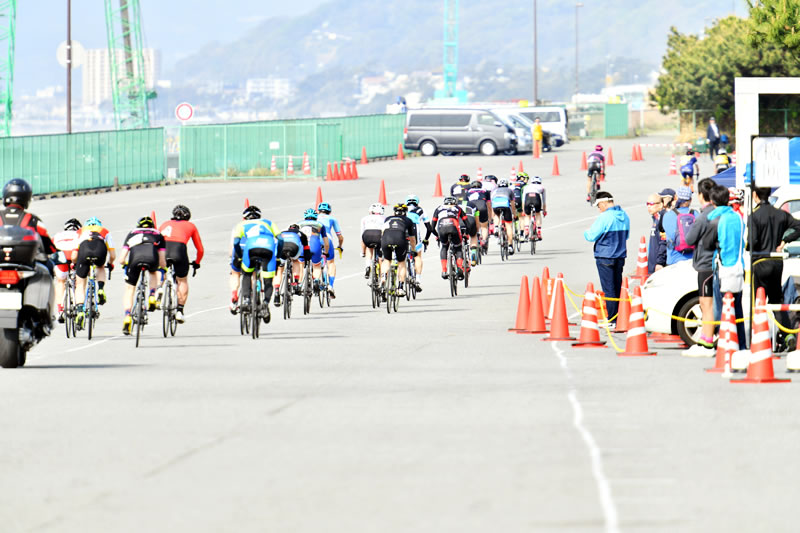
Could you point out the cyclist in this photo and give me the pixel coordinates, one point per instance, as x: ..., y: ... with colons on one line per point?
x: 480, y: 199
x: 249, y: 214
x: 459, y: 189
x: 517, y: 185
x: 318, y: 242
x: 418, y: 217
x: 371, y: 229
x: 398, y: 233
x: 257, y: 239
x: 177, y: 233
x: 489, y: 182
x: 293, y: 243
x: 502, y: 201
x: 143, y: 247
x: 446, y: 221
x: 331, y: 228
x: 17, y: 194
x: 596, y: 162
x: 722, y: 161
x: 689, y: 169
x: 67, y: 242
x: 534, y: 204
x: 95, y: 247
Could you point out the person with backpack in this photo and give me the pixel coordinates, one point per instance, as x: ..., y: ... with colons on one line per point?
x: 676, y: 224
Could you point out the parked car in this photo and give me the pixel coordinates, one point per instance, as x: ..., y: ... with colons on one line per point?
x: 552, y: 118
x: 446, y: 131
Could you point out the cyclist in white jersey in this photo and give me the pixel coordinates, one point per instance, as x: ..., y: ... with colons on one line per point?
x: 371, y: 230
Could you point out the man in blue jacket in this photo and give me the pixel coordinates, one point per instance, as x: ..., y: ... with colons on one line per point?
x: 609, y: 233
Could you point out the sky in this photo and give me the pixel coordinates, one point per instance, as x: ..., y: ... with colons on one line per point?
x: 176, y: 27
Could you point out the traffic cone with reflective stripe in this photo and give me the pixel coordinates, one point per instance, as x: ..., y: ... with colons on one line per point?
x: 728, y: 337
x: 636, y: 342
x: 153, y: 216
x: 306, y: 164
x: 610, y: 162
x: 673, y: 168
x: 319, y: 196
x: 584, y: 166
x: 559, y: 325
x: 437, y: 190
x: 641, y: 261
x: 523, y: 306
x: 364, y: 155
x: 555, y: 167
x: 382, y: 194
x: 590, y: 333
x: 273, y: 167
x: 513, y: 174
x: 290, y: 168
x: 536, y: 322
x: 760, y: 368
x: 624, y: 309
x: 601, y: 304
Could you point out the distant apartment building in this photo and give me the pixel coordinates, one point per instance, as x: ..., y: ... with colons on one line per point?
x: 96, y: 76
x: 275, y: 88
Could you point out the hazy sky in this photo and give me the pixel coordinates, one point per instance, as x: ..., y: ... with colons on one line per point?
x: 176, y: 27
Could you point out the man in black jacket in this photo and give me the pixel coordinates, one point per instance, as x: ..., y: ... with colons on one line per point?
x: 713, y: 136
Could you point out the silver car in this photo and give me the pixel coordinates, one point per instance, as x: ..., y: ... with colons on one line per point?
x: 448, y: 131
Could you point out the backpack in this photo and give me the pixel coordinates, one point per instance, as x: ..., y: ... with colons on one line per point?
x: 684, y: 222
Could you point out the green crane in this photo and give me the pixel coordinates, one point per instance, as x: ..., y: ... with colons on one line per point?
x: 8, y: 13
x: 450, y: 47
x: 126, y: 58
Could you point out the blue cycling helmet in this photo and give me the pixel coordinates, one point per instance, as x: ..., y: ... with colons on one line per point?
x: 412, y: 199
x: 94, y: 221
x: 310, y: 214
x: 324, y: 207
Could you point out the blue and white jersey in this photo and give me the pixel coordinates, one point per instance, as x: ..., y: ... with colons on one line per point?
x: 331, y: 226
x: 502, y: 197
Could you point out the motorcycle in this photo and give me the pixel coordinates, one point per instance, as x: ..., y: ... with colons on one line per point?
x: 26, y: 294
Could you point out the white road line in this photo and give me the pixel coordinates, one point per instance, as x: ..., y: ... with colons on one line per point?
x: 93, y: 344
x: 603, y: 485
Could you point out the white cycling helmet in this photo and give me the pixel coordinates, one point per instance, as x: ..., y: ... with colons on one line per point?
x: 537, y: 180
x: 722, y: 151
x: 502, y: 183
x: 376, y: 209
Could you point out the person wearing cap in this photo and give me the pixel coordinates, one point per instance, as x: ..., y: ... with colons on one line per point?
x: 654, y: 248
x: 713, y: 137
x: 609, y: 233
x: 676, y: 226
x: 667, y: 201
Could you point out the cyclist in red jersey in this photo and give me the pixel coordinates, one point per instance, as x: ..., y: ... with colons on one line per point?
x: 177, y: 233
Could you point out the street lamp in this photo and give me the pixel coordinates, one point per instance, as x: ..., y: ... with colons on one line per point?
x: 577, y: 6
x: 535, y: 58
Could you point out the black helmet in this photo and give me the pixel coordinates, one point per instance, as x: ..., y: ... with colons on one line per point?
x: 450, y: 200
x: 17, y: 192
x: 294, y: 227
x: 400, y: 209
x: 491, y: 177
x: 146, y: 222
x: 181, y: 212
x: 475, y: 185
x: 72, y: 224
x: 464, y: 178
x: 251, y: 212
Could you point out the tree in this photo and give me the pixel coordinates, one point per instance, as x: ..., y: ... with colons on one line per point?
x: 776, y: 22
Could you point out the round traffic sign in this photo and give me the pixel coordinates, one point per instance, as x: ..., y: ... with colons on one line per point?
x: 184, y: 111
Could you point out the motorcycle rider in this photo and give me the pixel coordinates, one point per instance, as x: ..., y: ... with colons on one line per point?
x: 17, y: 194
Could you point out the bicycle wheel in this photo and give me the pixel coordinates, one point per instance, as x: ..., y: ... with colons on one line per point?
x: 467, y: 271
x: 323, y: 288
x: 375, y: 287
x: 287, y: 295
x: 255, y: 306
x: 166, y: 306
x: 138, y: 316
x: 244, y: 323
x: 395, y: 297
x: 308, y: 292
x: 503, y: 247
x: 593, y: 191
x: 90, y: 309
x: 388, y: 290
x: 451, y: 274
x: 532, y: 235
x: 69, y: 322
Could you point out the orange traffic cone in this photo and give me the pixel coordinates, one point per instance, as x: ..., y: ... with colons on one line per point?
x: 523, y: 306
x: 728, y: 337
x: 536, y: 322
x: 382, y: 194
x: 536, y: 154
x: 329, y: 175
x: 400, y: 154
x: 639, y: 156
x: 319, y: 196
x: 547, y: 291
x: 636, y: 343
x: 246, y: 203
x: 624, y: 309
x: 347, y: 174
x: 555, y: 167
x: 513, y: 174
x: 437, y: 189
x: 273, y: 167
x: 306, y: 164
x: 633, y: 153
x: 673, y: 168
x: 760, y: 368
x: 590, y: 333
x: 363, y: 155
x: 336, y: 175
x: 641, y: 261
x: 153, y: 216
x: 610, y: 162
x: 601, y: 304
x: 355, y: 170
x: 520, y: 166
x: 559, y: 326
x: 290, y: 168
x: 584, y: 166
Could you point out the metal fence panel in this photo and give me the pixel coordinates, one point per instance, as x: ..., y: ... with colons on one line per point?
x: 615, y: 120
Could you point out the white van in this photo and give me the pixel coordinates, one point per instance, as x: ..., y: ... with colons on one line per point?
x: 552, y: 118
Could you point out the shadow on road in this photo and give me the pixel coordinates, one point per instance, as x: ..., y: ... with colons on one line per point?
x: 80, y: 367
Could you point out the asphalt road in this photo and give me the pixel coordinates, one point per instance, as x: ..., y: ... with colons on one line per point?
x: 432, y: 419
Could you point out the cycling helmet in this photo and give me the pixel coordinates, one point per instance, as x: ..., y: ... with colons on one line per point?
x: 475, y: 185
x: 294, y: 227
x: 490, y: 177
x: 689, y: 152
x: 324, y: 207
x: 412, y: 199
x: 598, y: 148
x: 376, y: 209
x: 251, y: 212
x: 537, y: 180
x: 502, y: 183
x: 735, y: 195
x: 17, y: 192
x: 94, y: 221
x: 145, y: 222
x: 523, y: 177
x: 72, y: 224
x: 310, y: 214
x: 723, y: 151
x: 450, y: 200
x: 463, y: 178
x: 400, y: 209
x: 181, y: 212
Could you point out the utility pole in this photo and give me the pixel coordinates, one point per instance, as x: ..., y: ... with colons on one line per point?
x: 535, y: 59
x: 577, y: 6
x: 69, y: 66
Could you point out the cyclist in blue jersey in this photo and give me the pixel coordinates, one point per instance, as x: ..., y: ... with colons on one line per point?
x: 257, y: 239
x: 331, y: 228
x: 420, y: 220
x: 502, y: 204
x: 318, y: 242
x: 689, y: 169
x: 249, y: 214
x: 294, y: 244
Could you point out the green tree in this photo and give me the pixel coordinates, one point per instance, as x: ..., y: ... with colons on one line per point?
x: 776, y: 22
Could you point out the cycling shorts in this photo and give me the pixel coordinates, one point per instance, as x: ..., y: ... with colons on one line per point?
x: 92, y: 252
x: 504, y: 213
x: 449, y: 234
x: 482, y: 210
x: 266, y: 256
x: 179, y: 257
x: 594, y: 166
x: 290, y: 250
x: 394, y: 240
x: 472, y: 226
x: 518, y: 200
x: 687, y: 171
x: 533, y: 204
x: 141, y: 256
x: 371, y: 238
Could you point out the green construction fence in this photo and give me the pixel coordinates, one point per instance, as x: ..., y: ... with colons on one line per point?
x: 68, y: 162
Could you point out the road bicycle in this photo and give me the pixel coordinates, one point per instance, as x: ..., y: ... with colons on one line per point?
x: 140, y: 302
x: 593, y: 188
x: 411, y: 277
x: 467, y: 263
x: 374, y: 278
x: 533, y: 236
x: 169, y: 302
x: 452, y: 270
x: 244, y: 315
x: 91, y: 305
x: 324, y: 281
x: 307, y: 287
x: 286, y: 290
x: 503, y: 236
x: 259, y: 306
x: 516, y: 235
x: 68, y: 305
x: 390, y: 284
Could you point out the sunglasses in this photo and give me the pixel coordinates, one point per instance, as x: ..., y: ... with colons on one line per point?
x: 653, y: 203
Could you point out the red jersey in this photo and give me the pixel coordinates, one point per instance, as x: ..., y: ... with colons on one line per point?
x: 181, y: 231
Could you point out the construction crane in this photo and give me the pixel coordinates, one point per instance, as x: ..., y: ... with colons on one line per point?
x: 450, y: 47
x: 8, y: 14
x: 126, y: 58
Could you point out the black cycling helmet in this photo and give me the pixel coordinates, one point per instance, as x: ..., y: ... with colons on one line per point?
x: 17, y: 192
x: 72, y: 224
x: 689, y: 152
x: 475, y: 185
x: 181, y: 212
x: 146, y: 222
x: 294, y: 227
x: 450, y: 200
x: 464, y: 178
x: 400, y: 209
x: 490, y: 177
x: 251, y: 212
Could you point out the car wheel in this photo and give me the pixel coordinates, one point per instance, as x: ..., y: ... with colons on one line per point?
x: 510, y: 151
x: 488, y: 148
x: 447, y: 153
x: 428, y: 148
x: 689, y: 331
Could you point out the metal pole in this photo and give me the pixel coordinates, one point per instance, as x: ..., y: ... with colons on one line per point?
x: 535, y: 57
x: 69, y: 66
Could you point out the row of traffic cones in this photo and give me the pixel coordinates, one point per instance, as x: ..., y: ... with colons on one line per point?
x: 636, y: 155
x: 346, y: 171
x: 306, y: 167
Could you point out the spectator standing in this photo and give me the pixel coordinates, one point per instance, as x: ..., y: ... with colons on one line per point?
x: 538, y: 135
x: 713, y: 137
x: 770, y: 229
x: 609, y: 233
x: 703, y: 262
x: 668, y: 197
x: 654, y: 206
x: 676, y: 223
